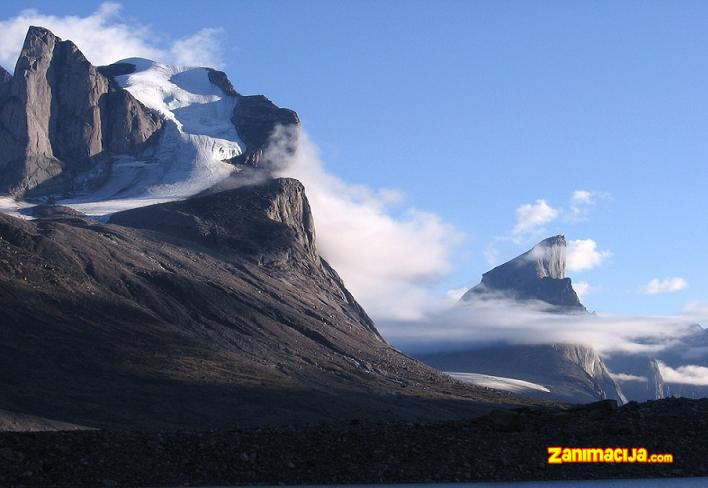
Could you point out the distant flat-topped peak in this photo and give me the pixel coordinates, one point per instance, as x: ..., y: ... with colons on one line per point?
x: 537, y: 274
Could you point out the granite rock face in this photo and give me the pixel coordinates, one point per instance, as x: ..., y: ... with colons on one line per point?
x: 59, y: 115
x: 538, y: 274
x: 220, y: 79
x: 256, y: 119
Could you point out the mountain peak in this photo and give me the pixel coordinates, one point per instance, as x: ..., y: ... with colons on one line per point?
x: 537, y: 274
x: 548, y: 257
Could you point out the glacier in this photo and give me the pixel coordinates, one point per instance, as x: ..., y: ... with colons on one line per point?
x: 191, y: 153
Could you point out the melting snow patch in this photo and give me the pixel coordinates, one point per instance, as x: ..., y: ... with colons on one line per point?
x: 10, y: 206
x: 498, y: 382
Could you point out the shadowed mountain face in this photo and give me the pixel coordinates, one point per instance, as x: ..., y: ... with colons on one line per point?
x: 538, y: 274
x: 210, y: 312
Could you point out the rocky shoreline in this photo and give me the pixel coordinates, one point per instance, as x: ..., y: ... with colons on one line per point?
x: 504, y: 445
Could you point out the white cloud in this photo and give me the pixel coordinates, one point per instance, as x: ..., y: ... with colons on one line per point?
x: 507, y: 321
x: 582, y: 197
x: 532, y: 216
x: 687, y: 375
x: 667, y: 285
x: 387, y: 257
x: 623, y: 378
x: 104, y: 38
x: 491, y: 254
x: 583, y: 254
x: 456, y: 293
x: 200, y: 49
x: 582, y: 289
x: 581, y: 203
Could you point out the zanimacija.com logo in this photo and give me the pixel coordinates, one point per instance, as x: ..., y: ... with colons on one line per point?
x: 564, y: 455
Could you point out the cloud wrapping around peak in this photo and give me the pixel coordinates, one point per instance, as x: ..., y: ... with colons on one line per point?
x: 387, y: 256
x: 501, y: 319
x: 667, y: 285
x: 105, y: 38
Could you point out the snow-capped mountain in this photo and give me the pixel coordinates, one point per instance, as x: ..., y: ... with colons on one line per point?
x: 134, y: 133
x: 191, y: 154
x: 212, y: 311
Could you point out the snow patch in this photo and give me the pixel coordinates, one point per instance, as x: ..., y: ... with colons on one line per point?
x: 10, y: 206
x: 498, y: 382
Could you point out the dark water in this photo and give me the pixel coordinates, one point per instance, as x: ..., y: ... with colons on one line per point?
x: 643, y: 483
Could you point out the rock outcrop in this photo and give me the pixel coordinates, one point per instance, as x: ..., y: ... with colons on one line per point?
x: 538, y: 274
x: 256, y: 119
x: 60, y: 118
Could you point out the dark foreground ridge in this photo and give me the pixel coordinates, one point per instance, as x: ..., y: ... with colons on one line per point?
x: 501, y: 446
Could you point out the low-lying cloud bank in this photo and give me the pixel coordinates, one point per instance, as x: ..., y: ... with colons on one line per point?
x: 686, y: 375
x: 504, y: 320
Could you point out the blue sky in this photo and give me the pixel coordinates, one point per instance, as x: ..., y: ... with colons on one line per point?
x: 473, y: 109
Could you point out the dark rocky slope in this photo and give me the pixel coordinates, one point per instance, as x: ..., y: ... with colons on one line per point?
x: 501, y: 446
x: 207, y: 313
